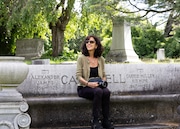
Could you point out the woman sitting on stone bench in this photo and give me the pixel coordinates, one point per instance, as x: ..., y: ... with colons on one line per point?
x: 90, y: 65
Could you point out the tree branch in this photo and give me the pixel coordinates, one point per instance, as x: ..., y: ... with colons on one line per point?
x: 150, y: 10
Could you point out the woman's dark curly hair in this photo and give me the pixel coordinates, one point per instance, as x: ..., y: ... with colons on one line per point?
x: 98, y: 51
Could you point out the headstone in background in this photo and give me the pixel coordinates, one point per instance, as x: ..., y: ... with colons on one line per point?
x: 121, y: 48
x: 30, y: 48
x: 161, y: 54
x: 41, y: 62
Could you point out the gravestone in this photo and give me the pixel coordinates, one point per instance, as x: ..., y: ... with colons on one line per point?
x: 122, y: 78
x: 143, y: 93
x: 30, y: 48
x: 41, y: 61
x: 161, y: 54
x: 121, y: 48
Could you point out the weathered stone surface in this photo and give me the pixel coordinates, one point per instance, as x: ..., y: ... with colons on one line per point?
x: 50, y: 79
x: 12, y: 105
x: 122, y: 79
x: 141, y: 93
x: 30, y: 48
x: 13, y: 115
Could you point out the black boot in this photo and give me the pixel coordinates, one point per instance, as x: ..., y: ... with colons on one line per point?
x: 96, y: 124
x: 107, y: 124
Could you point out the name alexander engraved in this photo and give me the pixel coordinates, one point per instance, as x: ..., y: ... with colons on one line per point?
x: 45, y: 76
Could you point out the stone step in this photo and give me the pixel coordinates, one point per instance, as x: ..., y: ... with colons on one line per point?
x: 148, y: 126
x: 140, y: 126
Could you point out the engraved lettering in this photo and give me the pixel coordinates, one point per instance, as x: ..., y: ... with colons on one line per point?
x: 64, y: 79
x: 108, y: 77
x: 122, y: 80
x: 72, y: 80
x: 114, y: 79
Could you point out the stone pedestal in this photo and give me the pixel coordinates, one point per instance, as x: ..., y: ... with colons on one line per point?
x: 13, y: 107
x: 13, y: 116
x: 121, y: 48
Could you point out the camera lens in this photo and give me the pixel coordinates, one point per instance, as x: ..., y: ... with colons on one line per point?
x: 103, y: 84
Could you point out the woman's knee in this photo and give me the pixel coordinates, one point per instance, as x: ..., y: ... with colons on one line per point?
x: 98, y: 91
x: 106, y: 92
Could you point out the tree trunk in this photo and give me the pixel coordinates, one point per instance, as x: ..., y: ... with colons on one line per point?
x: 169, y: 27
x: 59, y: 28
x: 57, y: 40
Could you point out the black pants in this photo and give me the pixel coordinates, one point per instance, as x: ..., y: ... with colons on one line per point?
x: 100, y: 98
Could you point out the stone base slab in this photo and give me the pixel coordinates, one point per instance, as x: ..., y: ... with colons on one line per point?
x: 74, y: 111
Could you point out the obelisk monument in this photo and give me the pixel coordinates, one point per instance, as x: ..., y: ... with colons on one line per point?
x: 121, y: 49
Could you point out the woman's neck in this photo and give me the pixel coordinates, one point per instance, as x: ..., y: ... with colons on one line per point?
x: 91, y: 54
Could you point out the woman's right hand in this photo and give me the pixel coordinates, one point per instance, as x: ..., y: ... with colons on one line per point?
x: 93, y: 84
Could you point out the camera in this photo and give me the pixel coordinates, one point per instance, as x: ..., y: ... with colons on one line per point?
x: 103, y: 84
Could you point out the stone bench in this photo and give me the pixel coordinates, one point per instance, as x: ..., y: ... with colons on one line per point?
x: 141, y: 93
x: 71, y: 111
x: 114, y: 98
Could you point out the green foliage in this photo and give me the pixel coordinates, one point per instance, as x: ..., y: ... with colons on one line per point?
x: 106, y: 43
x: 37, y: 28
x: 146, y: 40
x: 30, y: 19
x: 47, y: 48
x: 6, y: 40
x: 45, y: 8
x: 18, y: 20
x: 172, y: 45
x: 69, y: 55
x: 79, y: 27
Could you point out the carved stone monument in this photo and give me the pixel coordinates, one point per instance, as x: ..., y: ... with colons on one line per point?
x: 12, y: 105
x: 30, y: 48
x: 121, y: 48
x: 140, y: 93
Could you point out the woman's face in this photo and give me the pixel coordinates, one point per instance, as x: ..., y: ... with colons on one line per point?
x: 91, y: 44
